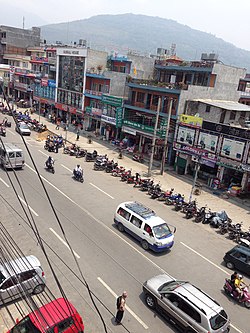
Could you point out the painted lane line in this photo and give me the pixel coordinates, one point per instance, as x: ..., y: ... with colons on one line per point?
x: 127, y: 308
x: 103, y: 224
x: 66, y: 167
x: 4, y: 182
x: 11, y: 132
x: 63, y: 241
x: 200, y: 255
x: 32, y: 210
x: 101, y: 190
x: 42, y: 152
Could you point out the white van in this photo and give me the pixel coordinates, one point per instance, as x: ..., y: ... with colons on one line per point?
x: 11, y: 156
x: 142, y: 223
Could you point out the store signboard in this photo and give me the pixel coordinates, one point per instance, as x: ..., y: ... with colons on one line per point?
x: 73, y: 52
x: 129, y: 130
x: 232, y: 149
x: 112, y: 100
x: 186, y: 135
x: 144, y: 128
x: 208, y: 141
x: 109, y: 120
x: 191, y: 120
x: 119, y: 117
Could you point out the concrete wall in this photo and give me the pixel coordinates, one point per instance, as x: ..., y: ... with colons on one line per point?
x: 226, y: 85
x: 117, y: 83
x: 144, y: 66
x: 96, y: 58
x: 22, y: 38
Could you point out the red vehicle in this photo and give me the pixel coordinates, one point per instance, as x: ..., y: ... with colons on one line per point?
x: 57, y: 316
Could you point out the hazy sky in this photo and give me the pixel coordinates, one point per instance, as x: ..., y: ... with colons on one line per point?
x: 228, y: 19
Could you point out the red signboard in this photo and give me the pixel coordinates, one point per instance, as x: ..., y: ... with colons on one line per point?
x: 66, y: 108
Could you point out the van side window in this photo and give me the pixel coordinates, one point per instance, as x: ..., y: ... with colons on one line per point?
x: 9, y: 283
x: 11, y: 155
x: 124, y: 213
x: 137, y: 222
x: 148, y: 229
x: 18, y: 154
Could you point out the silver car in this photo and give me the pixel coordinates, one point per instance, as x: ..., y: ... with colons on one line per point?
x: 22, y: 276
x: 185, y: 305
x: 23, y: 129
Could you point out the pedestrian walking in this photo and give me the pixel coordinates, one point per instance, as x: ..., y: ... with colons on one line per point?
x: 120, y: 305
x: 58, y: 121
x: 77, y: 134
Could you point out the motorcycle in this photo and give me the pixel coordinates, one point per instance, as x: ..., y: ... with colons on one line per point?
x: 2, y: 131
x: 118, y: 171
x: 179, y: 203
x: 77, y: 176
x: 50, y: 167
x: 138, y: 158
x: 81, y: 153
x: 172, y: 198
x: 100, y: 165
x: 191, y: 210
x: 153, y: 189
x: 219, y: 218
x: 165, y: 195
x: 200, y: 215
x: 125, y: 175
x: 227, y: 226
x: 91, y: 157
x: 230, y: 291
x: 156, y: 192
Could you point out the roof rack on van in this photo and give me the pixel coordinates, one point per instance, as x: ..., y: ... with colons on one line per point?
x: 140, y: 209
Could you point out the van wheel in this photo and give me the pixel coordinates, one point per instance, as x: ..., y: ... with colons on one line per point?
x: 39, y: 289
x: 145, y: 245
x: 150, y: 301
x: 120, y: 227
x: 230, y: 265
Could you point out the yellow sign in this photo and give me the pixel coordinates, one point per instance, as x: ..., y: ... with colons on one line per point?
x: 191, y: 120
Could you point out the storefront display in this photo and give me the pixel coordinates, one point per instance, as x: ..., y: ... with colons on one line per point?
x: 232, y: 149
x: 208, y: 141
x: 186, y: 135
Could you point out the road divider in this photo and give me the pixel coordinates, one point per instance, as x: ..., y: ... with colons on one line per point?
x: 63, y: 241
x: 127, y: 307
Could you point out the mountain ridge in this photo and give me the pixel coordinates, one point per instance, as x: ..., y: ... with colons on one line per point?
x: 145, y: 34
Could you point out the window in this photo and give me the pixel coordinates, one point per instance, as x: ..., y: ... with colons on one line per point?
x: 12, y: 155
x: 155, y: 100
x: 27, y: 275
x: 137, y: 222
x: 124, y: 213
x: 64, y: 325
x: 18, y: 154
x: 208, y: 107
x: 140, y: 97
x: 190, y: 311
x: 240, y: 256
x: 175, y: 299
x: 148, y: 229
x: 2, y: 277
x: 9, y: 283
x: 25, y: 326
x: 232, y: 115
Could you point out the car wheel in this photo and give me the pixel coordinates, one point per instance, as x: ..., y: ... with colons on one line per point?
x: 120, y: 227
x: 150, y: 301
x: 230, y: 265
x: 38, y: 289
x: 145, y: 245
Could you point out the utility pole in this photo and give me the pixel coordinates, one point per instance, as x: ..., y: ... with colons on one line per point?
x: 165, y: 151
x: 197, y: 168
x: 39, y: 110
x: 154, y: 138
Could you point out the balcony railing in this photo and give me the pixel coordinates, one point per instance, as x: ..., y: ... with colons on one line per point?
x: 154, y: 83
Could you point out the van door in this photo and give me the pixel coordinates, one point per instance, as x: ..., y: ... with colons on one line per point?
x: 135, y: 227
x: 9, y: 290
x: 147, y: 233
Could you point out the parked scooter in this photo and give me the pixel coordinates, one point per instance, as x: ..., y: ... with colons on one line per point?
x: 219, y: 218
x: 191, y: 210
x: 230, y: 291
x: 165, y: 195
x: 138, y: 158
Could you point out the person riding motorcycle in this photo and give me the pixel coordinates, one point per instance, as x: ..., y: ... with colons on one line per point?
x: 78, y: 172
x: 50, y: 162
x: 239, y: 285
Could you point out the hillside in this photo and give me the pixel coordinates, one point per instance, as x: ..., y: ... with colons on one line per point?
x: 144, y: 34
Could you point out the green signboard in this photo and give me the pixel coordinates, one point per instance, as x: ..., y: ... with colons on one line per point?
x: 112, y: 100
x: 88, y: 109
x: 119, y: 117
x: 145, y: 128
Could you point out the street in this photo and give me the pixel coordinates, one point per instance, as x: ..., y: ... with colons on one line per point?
x: 109, y: 260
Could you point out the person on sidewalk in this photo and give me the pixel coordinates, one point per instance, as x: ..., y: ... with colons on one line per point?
x: 58, y: 121
x: 120, y: 305
x: 77, y: 134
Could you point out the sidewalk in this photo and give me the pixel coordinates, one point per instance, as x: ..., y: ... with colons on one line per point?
x: 235, y: 207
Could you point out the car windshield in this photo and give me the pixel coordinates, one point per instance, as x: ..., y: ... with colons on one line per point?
x: 25, y: 326
x: 24, y: 126
x: 170, y: 286
x: 218, y: 320
x: 162, y: 231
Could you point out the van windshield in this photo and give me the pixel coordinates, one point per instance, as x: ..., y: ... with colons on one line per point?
x: 161, y: 231
x: 25, y: 326
x: 218, y: 320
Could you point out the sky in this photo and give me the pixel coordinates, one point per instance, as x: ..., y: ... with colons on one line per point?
x: 227, y: 19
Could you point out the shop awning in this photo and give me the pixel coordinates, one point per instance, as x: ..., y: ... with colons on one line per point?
x: 226, y: 105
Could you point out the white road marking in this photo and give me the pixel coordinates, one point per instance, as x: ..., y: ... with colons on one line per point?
x: 66, y: 167
x: 102, y: 191
x: 63, y: 241
x: 11, y: 132
x: 200, y: 255
x: 42, y: 152
x: 32, y: 210
x: 4, y: 182
x: 127, y: 308
x: 28, y: 143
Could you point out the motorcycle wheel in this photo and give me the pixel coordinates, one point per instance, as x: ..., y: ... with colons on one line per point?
x: 247, y: 304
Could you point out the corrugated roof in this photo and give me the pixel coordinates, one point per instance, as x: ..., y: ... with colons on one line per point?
x: 227, y: 105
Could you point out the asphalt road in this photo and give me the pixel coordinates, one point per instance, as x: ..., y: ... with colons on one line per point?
x: 110, y: 261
